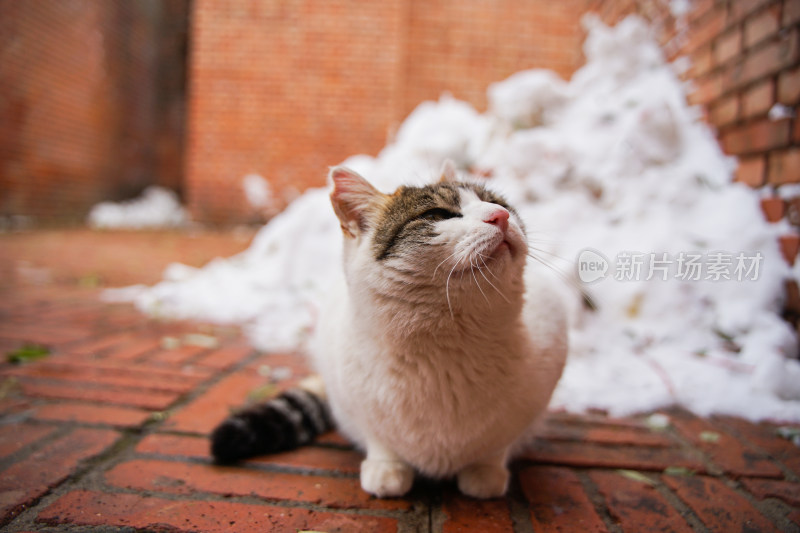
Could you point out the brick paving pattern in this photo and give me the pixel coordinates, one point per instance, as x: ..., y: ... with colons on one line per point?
x: 109, y: 433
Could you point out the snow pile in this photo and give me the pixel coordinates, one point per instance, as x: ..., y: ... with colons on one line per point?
x: 613, y: 167
x: 157, y: 207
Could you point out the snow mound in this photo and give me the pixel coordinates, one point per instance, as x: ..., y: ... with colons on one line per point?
x: 613, y: 168
x: 157, y: 207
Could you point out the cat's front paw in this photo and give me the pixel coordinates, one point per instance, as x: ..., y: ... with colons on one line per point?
x: 483, y: 481
x: 386, y: 478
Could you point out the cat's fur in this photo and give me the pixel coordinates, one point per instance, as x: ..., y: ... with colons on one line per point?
x: 434, y: 356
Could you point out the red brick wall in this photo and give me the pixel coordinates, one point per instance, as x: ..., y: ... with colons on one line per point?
x: 78, y: 109
x: 461, y: 47
x: 287, y: 89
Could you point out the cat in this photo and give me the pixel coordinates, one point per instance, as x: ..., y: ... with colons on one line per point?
x: 434, y: 356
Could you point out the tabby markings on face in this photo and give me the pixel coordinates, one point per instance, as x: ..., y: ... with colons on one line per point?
x: 409, y: 218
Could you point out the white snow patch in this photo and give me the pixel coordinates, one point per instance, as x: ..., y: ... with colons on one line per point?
x: 614, y: 161
x: 157, y: 207
x: 780, y: 112
x: 257, y: 191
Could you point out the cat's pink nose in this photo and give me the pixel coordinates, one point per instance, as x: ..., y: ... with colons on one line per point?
x: 498, y: 217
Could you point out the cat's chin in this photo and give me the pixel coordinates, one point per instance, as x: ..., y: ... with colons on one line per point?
x: 505, y: 249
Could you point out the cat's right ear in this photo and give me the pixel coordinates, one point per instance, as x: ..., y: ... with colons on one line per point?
x: 354, y: 200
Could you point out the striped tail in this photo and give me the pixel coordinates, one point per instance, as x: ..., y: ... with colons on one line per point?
x: 290, y: 420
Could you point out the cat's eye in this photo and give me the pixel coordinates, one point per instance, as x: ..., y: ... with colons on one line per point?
x: 438, y: 213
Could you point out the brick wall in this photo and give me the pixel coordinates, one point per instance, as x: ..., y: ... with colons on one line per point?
x: 286, y: 89
x: 79, y: 105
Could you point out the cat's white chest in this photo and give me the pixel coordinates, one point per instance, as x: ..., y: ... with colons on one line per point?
x: 439, y: 409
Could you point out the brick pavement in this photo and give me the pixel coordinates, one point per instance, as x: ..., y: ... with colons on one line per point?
x: 109, y: 433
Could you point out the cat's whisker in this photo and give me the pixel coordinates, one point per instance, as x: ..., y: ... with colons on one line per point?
x: 447, y: 286
x: 443, y: 262
x: 544, y: 251
x: 503, y: 296
x: 485, y: 266
x: 473, y: 268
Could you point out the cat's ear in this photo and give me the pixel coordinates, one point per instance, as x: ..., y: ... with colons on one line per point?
x: 448, y: 172
x: 354, y: 200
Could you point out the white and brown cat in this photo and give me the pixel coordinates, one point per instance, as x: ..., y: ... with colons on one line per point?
x: 434, y: 355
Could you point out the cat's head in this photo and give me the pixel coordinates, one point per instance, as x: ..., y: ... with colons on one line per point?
x: 449, y: 234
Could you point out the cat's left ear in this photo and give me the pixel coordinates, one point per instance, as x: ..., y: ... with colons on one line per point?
x: 448, y: 172
x: 354, y: 200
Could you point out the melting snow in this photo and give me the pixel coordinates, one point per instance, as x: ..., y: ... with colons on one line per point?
x: 157, y: 207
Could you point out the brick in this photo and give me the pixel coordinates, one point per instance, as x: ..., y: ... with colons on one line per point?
x: 787, y: 491
x: 773, y: 208
x: 751, y: 171
x: 789, y: 86
x: 204, y: 413
x: 14, y: 438
x: 465, y: 514
x: 114, y: 395
x: 192, y: 478
x: 724, y: 111
x: 706, y: 29
x: 702, y: 61
x: 698, y: 9
x: 316, y: 458
x: 761, y: 26
x: 790, y: 246
x: 186, y: 374
x: 764, y: 61
x: 101, y: 344
x: 727, y: 46
x: 757, y: 136
x: 743, y: 8
x: 796, y: 127
x: 53, y: 336
x: 334, y: 438
x: 176, y: 356
x: 636, y: 505
x: 587, y: 455
x: 765, y: 437
x: 718, y: 506
x: 174, y: 445
x: 724, y: 450
x: 87, y: 508
x: 223, y: 358
x: 305, y: 458
x: 558, y: 501
x: 31, y: 477
x: 706, y: 90
x: 758, y: 100
x: 600, y: 433
x: 120, y: 376
x: 92, y: 414
x: 791, y: 13
x: 134, y: 350
x: 784, y: 167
